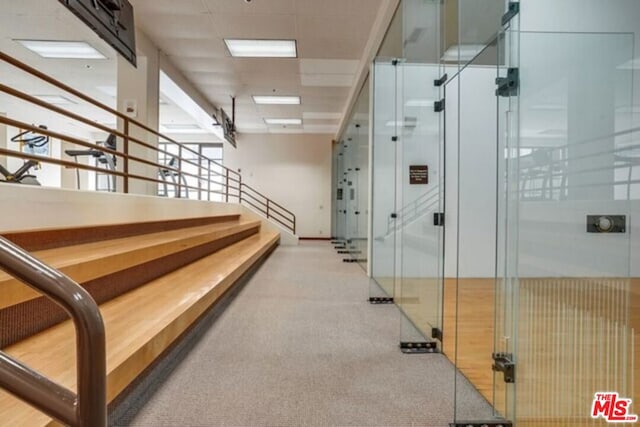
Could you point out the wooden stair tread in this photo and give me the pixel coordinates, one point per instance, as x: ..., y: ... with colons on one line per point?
x: 91, y: 260
x: 140, y: 325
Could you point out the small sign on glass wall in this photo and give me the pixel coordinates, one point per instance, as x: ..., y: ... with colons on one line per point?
x: 418, y: 174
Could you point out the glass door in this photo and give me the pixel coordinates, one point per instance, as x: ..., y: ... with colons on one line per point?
x: 408, y: 198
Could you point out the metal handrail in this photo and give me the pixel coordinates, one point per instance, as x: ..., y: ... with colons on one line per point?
x: 268, y: 207
x: 87, y: 408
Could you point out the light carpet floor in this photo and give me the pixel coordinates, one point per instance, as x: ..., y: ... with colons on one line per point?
x: 301, y: 346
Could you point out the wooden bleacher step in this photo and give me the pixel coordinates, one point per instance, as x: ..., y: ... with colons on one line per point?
x: 109, y: 268
x: 140, y: 324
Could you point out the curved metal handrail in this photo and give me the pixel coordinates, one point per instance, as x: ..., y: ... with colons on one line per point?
x: 87, y: 408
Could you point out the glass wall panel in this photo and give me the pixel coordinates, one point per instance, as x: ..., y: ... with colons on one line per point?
x: 385, y: 132
x: 575, y: 291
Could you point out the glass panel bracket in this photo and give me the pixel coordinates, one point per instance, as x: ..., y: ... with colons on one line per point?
x: 438, y: 106
x: 492, y: 423
x: 441, y: 81
x: 436, y: 334
x: 503, y: 362
x: 514, y: 9
x: 438, y: 219
x: 418, y: 347
x: 508, y: 86
x: 381, y: 300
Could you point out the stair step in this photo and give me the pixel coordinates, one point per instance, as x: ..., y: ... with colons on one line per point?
x: 89, y: 261
x: 140, y: 324
x: 48, y: 238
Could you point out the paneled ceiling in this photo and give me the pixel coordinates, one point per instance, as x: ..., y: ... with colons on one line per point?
x: 331, y: 36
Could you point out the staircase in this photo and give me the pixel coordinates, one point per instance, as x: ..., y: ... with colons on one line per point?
x: 152, y: 280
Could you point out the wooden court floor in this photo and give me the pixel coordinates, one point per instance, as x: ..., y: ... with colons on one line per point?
x: 575, y: 336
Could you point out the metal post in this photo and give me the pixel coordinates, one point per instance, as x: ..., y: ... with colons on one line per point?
x: 179, y: 190
x: 268, y: 208
x: 227, y: 186
x: 126, y: 157
x: 209, y: 180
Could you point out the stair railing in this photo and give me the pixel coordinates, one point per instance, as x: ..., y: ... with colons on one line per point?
x: 267, y: 207
x: 87, y: 407
x: 136, y: 158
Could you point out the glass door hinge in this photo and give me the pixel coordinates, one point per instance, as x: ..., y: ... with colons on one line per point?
x: 508, y: 86
x: 503, y: 362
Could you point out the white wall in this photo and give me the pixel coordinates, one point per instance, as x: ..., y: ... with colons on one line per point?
x: 292, y: 170
x: 471, y: 164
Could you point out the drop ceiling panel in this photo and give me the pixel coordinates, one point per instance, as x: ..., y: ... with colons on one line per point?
x: 331, y: 80
x: 177, y: 26
x: 328, y: 47
x: 333, y: 8
x: 211, y: 65
x: 192, y: 48
x: 328, y: 66
x: 169, y: 7
x: 259, y: 67
x: 255, y: 26
x: 308, y: 115
x: 220, y: 79
x: 238, y: 7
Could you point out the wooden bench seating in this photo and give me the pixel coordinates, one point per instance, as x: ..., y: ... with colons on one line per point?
x: 141, y: 323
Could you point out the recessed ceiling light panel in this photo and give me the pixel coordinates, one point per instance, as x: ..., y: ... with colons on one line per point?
x: 55, y: 99
x: 245, y: 48
x: 276, y: 100
x: 62, y: 49
x: 284, y: 122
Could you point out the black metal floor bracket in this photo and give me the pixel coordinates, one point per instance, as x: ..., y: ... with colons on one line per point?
x: 492, y: 423
x: 381, y: 300
x: 418, y: 347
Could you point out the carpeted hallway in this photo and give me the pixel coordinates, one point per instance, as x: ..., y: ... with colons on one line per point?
x: 301, y: 346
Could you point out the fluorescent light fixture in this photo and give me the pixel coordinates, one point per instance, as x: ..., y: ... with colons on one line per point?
x: 312, y: 115
x: 182, y: 127
x: 420, y: 103
x: 284, y: 122
x: 244, y: 48
x: 276, y: 100
x: 62, y: 49
x: 464, y: 52
x: 409, y: 122
x: 55, y: 99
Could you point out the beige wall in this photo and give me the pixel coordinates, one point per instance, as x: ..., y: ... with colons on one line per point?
x: 293, y: 170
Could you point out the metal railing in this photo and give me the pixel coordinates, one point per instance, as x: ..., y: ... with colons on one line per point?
x: 87, y: 408
x: 267, y: 207
x: 196, y: 175
x: 551, y: 173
